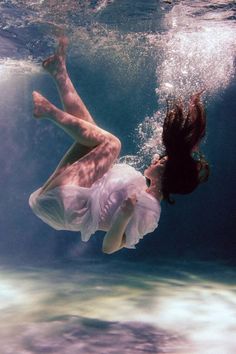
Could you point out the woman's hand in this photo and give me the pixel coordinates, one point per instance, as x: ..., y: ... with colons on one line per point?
x: 128, y: 205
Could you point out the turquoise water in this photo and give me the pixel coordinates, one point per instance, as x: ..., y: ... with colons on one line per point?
x: 176, y: 292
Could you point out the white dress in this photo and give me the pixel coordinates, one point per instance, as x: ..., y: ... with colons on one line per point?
x: 75, y: 208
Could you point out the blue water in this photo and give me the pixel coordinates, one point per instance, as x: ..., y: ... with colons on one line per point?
x: 125, y: 58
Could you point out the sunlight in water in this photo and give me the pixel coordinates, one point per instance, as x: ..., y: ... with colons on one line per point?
x: 10, y: 67
x: 198, y: 54
x: 195, y: 53
x: 10, y: 295
x: 206, y: 314
x: 199, y: 313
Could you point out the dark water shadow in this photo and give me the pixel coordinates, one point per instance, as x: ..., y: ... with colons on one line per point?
x: 92, y: 336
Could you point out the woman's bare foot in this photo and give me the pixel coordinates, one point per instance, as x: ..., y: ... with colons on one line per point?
x: 42, y: 107
x: 56, y: 63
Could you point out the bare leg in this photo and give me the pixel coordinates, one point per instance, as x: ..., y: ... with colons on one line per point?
x: 56, y: 66
x: 73, y: 104
x: 105, y: 147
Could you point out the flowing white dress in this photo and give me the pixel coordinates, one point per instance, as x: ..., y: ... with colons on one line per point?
x: 75, y: 208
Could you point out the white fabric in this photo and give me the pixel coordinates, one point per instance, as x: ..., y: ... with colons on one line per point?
x: 75, y: 208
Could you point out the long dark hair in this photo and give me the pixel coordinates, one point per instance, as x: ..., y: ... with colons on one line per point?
x: 185, y: 167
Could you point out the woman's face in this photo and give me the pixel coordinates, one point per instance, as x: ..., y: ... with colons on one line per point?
x: 156, y: 169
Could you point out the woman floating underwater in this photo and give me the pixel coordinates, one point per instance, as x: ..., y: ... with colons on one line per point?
x: 88, y: 191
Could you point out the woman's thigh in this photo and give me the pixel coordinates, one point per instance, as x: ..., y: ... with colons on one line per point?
x: 75, y: 152
x: 89, y: 168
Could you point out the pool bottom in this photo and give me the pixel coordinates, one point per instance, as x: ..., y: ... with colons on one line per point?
x: 115, y: 308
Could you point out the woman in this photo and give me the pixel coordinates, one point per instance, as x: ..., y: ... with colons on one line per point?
x: 89, y: 192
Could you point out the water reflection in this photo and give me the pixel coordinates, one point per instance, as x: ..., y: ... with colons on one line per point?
x: 114, y: 308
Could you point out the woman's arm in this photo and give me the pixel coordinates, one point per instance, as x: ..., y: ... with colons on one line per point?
x: 115, y: 237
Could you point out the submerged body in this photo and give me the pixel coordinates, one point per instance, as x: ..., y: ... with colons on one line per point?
x: 75, y: 208
x: 88, y: 191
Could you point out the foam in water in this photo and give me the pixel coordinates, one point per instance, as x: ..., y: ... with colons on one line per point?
x: 196, y: 54
x: 197, y: 51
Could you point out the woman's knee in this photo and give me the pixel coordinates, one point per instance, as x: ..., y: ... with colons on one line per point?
x: 116, y: 144
x: 110, y: 147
